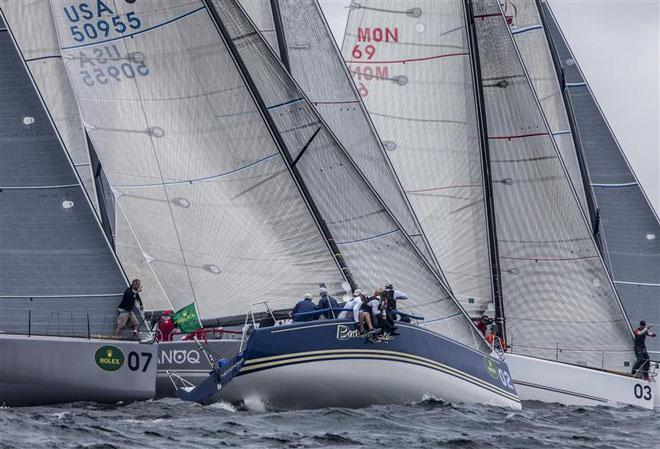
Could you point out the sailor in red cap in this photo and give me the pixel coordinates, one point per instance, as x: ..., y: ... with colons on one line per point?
x: 165, y: 327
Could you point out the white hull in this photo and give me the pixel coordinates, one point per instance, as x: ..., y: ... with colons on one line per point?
x: 548, y: 381
x: 47, y: 370
x: 354, y: 383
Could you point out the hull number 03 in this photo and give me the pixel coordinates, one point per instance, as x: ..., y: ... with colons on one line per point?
x: 135, y: 361
x: 643, y: 392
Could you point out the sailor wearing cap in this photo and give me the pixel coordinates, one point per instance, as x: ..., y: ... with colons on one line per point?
x: 304, y: 305
x: 354, y: 304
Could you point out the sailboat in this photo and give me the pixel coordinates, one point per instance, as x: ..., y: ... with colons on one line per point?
x: 564, y: 323
x: 625, y: 224
x: 240, y: 193
x: 60, y: 283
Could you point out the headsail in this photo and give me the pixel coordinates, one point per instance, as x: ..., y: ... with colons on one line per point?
x: 314, y: 61
x: 58, y: 274
x: 35, y: 35
x: 32, y: 26
x: 525, y: 22
x: 629, y: 229
x: 410, y: 62
x: 560, y: 303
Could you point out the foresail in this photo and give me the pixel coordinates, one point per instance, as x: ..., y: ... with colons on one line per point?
x: 198, y: 178
x: 58, y: 275
x: 316, y: 64
x: 371, y: 242
x: 410, y: 62
x: 525, y: 22
x: 32, y: 26
x: 629, y: 230
x: 559, y: 302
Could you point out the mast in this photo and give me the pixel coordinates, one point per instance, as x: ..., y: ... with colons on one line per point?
x: 591, y: 199
x: 279, y: 33
x: 97, y: 171
x: 486, y: 172
x: 281, y: 144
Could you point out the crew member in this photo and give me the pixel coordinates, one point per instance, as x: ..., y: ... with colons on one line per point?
x: 327, y: 302
x: 392, y: 297
x: 165, y: 327
x: 354, y: 305
x: 642, y: 363
x: 304, y: 305
x: 483, y: 323
x: 125, y: 315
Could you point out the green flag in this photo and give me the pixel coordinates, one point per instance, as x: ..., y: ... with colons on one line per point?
x: 187, y: 319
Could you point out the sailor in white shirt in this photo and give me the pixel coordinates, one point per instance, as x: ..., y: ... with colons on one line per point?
x: 353, y: 304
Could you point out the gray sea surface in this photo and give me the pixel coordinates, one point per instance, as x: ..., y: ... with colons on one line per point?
x: 170, y: 423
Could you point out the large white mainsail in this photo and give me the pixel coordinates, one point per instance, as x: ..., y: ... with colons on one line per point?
x: 559, y: 302
x: 410, y: 62
x: 196, y: 173
x: 204, y: 161
x: 37, y: 39
x: 526, y: 27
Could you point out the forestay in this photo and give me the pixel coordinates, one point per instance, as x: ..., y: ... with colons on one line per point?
x: 34, y: 31
x: 629, y: 230
x: 197, y: 175
x: 410, y: 62
x: 315, y: 62
x: 558, y: 299
x: 525, y: 22
x: 373, y: 244
x: 58, y: 276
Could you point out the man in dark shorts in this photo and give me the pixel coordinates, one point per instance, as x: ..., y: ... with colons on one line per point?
x: 125, y: 315
x: 642, y: 364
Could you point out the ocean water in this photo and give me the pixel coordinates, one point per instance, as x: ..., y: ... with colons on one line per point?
x: 170, y: 423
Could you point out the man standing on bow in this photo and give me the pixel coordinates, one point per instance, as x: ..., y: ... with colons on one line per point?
x: 125, y: 315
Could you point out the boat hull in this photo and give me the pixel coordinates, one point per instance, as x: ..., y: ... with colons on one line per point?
x: 48, y: 370
x: 549, y: 381
x: 186, y: 360
x: 325, y: 364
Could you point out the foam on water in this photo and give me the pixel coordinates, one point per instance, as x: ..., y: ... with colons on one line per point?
x: 432, y: 423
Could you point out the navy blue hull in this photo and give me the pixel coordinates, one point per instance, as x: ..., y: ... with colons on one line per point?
x: 279, y: 361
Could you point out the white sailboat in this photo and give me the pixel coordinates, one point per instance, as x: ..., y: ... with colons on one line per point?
x: 239, y: 192
x: 60, y: 283
x: 563, y: 319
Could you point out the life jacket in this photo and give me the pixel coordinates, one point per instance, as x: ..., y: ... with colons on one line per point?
x: 490, y: 338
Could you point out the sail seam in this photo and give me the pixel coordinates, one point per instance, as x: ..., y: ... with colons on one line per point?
x: 644, y: 284
x: 192, y: 181
x: 518, y: 136
x: 60, y: 186
x: 526, y: 29
x: 368, y: 238
x: 404, y: 61
x: 175, y: 19
x: 624, y: 184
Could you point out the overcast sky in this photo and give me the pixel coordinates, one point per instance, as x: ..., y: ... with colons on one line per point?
x: 617, y: 44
